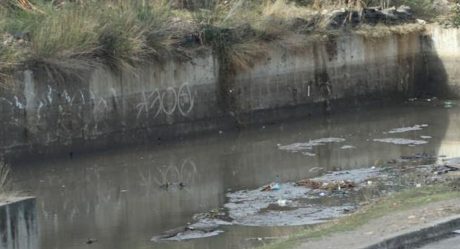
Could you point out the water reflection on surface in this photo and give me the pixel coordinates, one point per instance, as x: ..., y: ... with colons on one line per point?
x: 122, y: 198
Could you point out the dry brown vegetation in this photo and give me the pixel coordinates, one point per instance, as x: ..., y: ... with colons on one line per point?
x: 5, y: 183
x: 72, y: 35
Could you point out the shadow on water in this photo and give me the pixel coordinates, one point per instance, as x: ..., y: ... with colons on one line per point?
x: 120, y: 197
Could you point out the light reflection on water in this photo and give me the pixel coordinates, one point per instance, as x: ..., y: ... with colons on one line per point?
x: 116, y: 198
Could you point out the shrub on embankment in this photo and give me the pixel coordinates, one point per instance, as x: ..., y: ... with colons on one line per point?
x: 67, y: 36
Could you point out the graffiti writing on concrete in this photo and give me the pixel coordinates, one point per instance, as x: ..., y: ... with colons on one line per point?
x: 68, y: 114
x: 166, y: 101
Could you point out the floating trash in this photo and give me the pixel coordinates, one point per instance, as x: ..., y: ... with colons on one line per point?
x: 449, y: 104
x: 272, y: 186
x: 406, y: 129
x: 347, y: 147
x: 282, y: 203
x: 400, y: 141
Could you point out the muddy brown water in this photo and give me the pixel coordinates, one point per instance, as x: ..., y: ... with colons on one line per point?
x: 115, y: 196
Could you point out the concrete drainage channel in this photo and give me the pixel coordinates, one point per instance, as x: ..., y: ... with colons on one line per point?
x: 18, y: 224
x: 416, y: 239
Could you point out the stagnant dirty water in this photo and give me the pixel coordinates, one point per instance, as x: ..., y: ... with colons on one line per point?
x: 123, y: 199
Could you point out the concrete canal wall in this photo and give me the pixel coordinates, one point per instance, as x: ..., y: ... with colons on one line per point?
x: 18, y: 224
x: 44, y: 114
x: 442, y: 56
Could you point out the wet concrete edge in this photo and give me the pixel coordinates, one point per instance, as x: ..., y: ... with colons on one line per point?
x: 425, y: 235
x: 19, y: 224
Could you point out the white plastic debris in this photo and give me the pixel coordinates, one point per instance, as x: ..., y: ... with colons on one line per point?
x: 282, y: 203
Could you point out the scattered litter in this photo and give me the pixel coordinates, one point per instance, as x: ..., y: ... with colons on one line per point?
x: 333, y: 185
x: 211, y: 218
x: 401, y: 141
x: 369, y: 183
x: 418, y: 185
x: 282, y: 203
x: 355, y: 175
x: 425, y: 137
x: 322, y: 194
x: 271, y: 187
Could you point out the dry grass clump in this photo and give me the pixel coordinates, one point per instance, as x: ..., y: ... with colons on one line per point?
x: 5, y: 191
x: 285, y: 9
x: 77, y: 35
x: 70, y: 36
x: 243, y: 56
x: 380, y: 30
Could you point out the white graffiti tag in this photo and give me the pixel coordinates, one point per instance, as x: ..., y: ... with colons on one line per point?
x: 167, y: 101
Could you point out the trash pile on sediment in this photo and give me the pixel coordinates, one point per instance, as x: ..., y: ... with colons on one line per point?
x: 314, y: 200
x: 330, y: 186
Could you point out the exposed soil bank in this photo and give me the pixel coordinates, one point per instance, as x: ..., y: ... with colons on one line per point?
x: 45, y: 114
x: 18, y: 224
